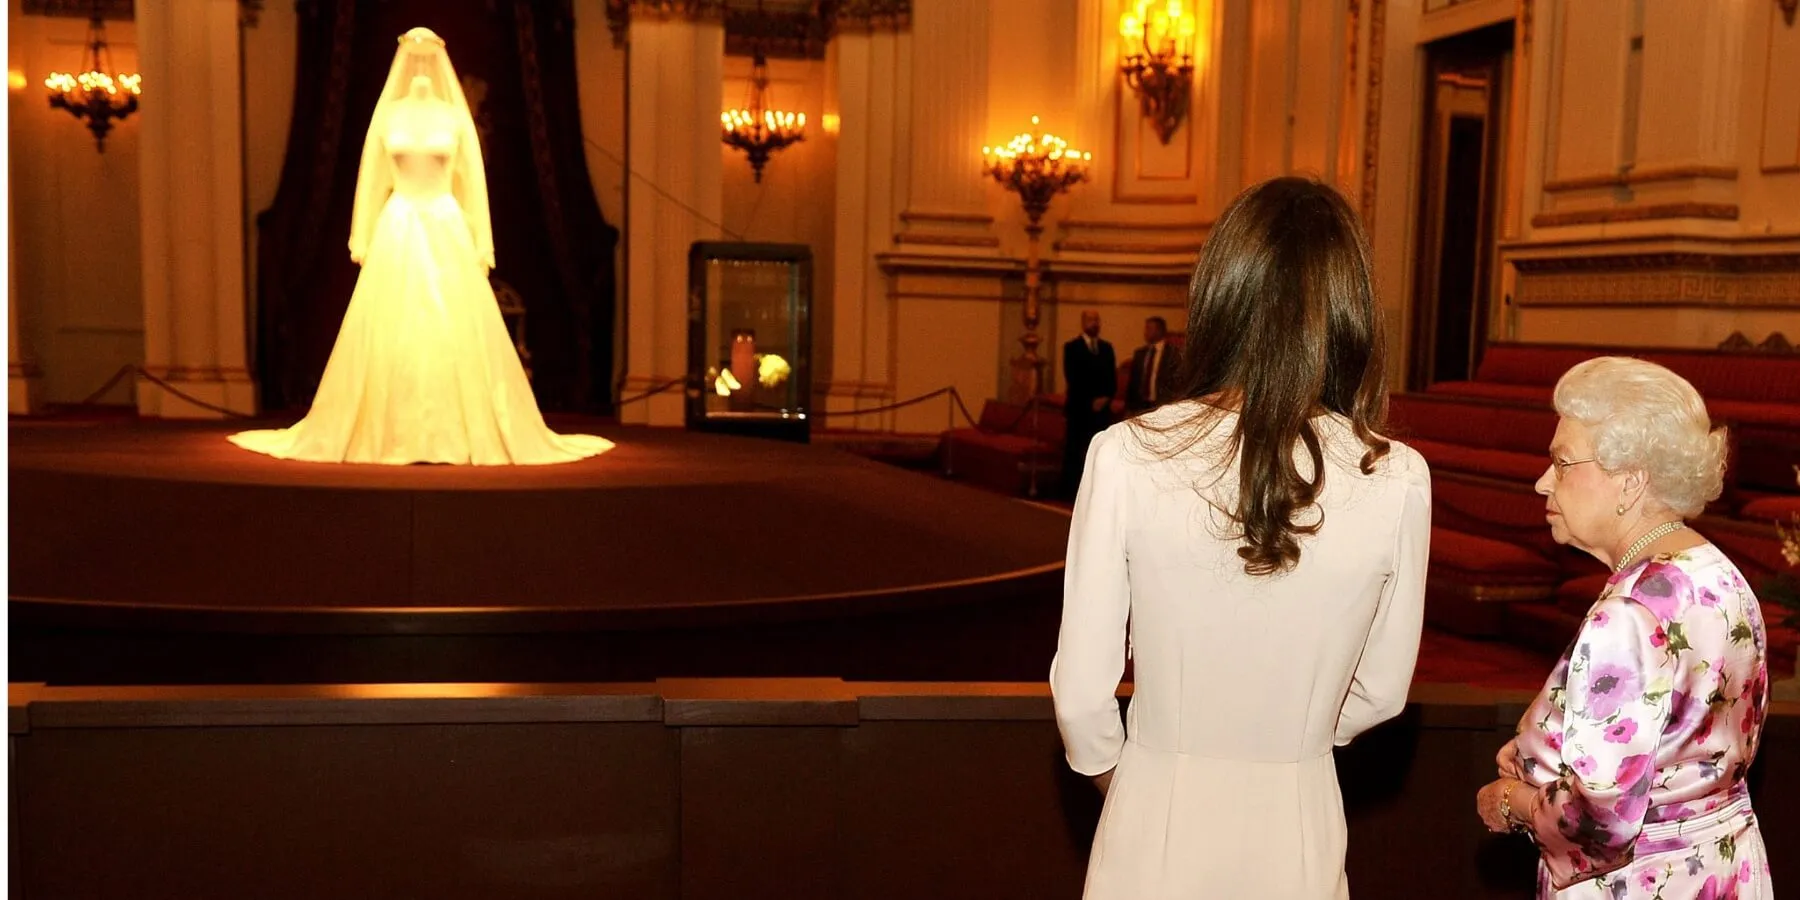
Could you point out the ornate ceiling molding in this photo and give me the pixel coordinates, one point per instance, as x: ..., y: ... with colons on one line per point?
x: 1650, y: 279
x: 874, y: 15
x: 783, y: 33
x: 619, y: 13
x: 249, y: 11
x: 790, y: 29
x: 111, y: 10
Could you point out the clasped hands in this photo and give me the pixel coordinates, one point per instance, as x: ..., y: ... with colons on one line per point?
x: 1489, y: 800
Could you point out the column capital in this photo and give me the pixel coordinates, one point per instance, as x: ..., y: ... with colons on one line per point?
x: 805, y: 29
x: 874, y: 15
x: 619, y: 13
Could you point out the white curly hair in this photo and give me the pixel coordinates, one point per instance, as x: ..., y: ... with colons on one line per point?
x: 1645, y: 417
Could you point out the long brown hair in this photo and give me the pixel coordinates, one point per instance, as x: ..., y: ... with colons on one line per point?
x: 1282, y: 326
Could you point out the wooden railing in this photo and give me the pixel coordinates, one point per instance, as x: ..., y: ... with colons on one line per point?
x: 677, y: 789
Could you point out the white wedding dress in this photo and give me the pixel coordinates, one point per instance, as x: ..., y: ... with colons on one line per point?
x: 423, y: 370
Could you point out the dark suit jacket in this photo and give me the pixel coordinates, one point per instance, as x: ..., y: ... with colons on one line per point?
x: 1090, y: 375
x: 1137, y: 392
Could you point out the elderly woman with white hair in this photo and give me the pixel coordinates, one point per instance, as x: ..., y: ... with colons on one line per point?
x: 1628, y: 770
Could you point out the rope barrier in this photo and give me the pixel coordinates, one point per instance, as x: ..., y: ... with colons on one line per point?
x: 93, y: 399
x: 956, y: 398
x: 888, y: 408
x: 667, y: 385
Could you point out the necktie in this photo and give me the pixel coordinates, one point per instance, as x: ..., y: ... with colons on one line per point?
x: 1150, y: 364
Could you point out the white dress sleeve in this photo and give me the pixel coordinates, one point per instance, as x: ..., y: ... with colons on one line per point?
x: 468, y: 182
x: 1090, y: 653
x: 374, y: 182
x: 1379, y: 686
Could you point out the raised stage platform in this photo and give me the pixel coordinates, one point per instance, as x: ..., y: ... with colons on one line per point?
x: 158, y: 552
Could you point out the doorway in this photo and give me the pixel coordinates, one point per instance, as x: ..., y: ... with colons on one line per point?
x: 1466, y: 85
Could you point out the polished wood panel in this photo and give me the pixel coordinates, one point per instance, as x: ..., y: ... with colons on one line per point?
x: 742, y: 789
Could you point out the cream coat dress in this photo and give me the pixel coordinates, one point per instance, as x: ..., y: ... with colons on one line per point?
x: 1224, y: 784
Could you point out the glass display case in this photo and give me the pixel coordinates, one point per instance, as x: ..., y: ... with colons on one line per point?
x: 750, y: 339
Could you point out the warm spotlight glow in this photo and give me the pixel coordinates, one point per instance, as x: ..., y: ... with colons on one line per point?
x: 1160, y: 27
x: 15, y: 79
x: 831, y: 123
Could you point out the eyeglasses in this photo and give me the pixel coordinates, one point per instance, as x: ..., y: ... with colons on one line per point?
x: 1562, y: 464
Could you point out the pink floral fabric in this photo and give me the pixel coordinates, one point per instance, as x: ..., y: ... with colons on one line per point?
x: 1641, y: 737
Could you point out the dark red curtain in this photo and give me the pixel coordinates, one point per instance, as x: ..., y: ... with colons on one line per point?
x: 551, y: 241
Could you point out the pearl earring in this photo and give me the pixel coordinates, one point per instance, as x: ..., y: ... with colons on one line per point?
x: 1619, y: 510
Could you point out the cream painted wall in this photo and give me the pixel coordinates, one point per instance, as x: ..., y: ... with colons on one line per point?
x: 1768, y: 136
x: 946, y: 330
x: 1689, y: 145
x: 77, y: 285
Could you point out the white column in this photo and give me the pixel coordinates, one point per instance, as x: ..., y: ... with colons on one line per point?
x: 873, y: 82
x: 191, y: 202
x: 21, y: 371
x: 673, y: 80
x: 946, y: 197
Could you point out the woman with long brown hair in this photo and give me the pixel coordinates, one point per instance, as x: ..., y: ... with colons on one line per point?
x: 1259, y: 550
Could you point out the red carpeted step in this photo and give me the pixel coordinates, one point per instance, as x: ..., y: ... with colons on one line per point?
x: 1523, y: 468
x: 1577, y: 595
x: 1446, y: 658
x: 1772, y: 509
x: 1516, y: 393
x: 1475, y: 422
x: 1472, y: 578
x: 1493, y: 508
x: 1543, y: 627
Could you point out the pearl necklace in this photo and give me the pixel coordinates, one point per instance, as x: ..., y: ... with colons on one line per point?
x: 1638, y: 545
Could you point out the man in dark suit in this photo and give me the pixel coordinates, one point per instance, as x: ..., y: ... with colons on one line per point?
x: 1091, y: 371
x: 1153, y: 368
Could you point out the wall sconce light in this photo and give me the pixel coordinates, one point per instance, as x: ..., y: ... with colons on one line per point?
x: 1159, y: 60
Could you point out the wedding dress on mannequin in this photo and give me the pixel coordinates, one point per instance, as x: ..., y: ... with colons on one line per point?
x: 423, y: 369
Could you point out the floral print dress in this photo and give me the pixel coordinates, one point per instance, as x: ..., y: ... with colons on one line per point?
x: 1639, y: 742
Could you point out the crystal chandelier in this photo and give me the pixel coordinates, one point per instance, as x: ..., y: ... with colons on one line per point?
x: 755, y: 128
x: 94, y: 96
x: 1159, y: 60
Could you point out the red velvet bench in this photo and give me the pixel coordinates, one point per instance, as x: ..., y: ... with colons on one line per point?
x: 1009, y: 442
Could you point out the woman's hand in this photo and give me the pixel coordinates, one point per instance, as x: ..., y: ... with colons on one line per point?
x: 1104, y: 781
x: 1487, y: 804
